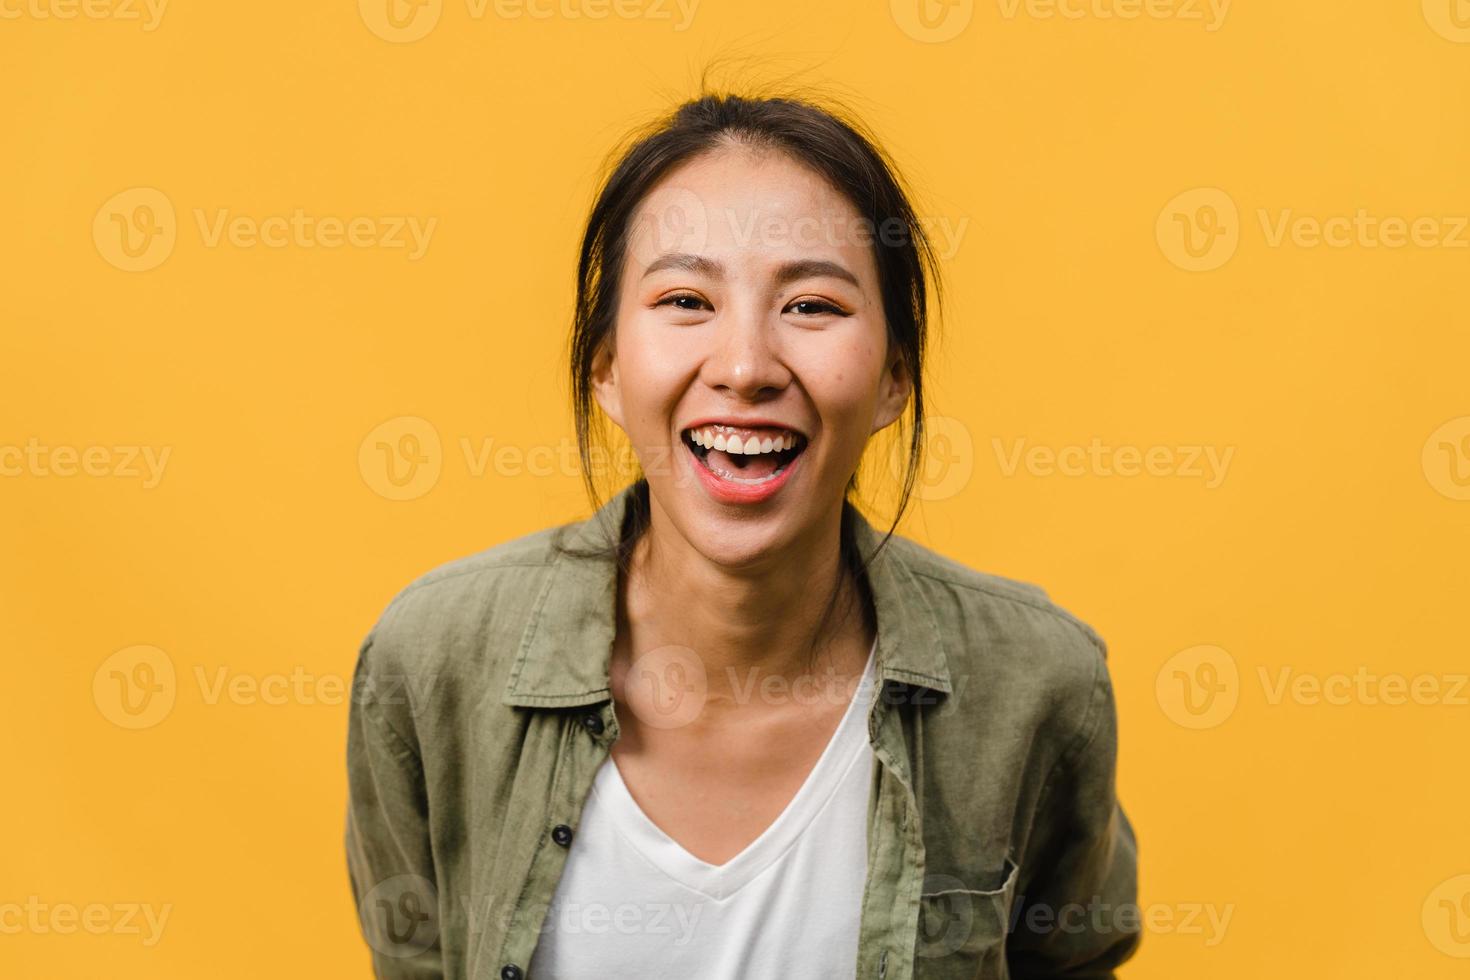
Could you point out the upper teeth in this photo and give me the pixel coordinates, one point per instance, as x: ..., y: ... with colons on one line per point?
x: 749, y: 446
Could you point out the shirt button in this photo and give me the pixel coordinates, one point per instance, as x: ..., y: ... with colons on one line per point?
x: 593, y: 721
x: 562, y: 834
x: 510, y: 972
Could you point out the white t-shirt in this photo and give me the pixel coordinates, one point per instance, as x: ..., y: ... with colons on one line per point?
x: 632, y: 902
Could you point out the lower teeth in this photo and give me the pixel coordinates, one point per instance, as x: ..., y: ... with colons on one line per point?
x: 748, y: 481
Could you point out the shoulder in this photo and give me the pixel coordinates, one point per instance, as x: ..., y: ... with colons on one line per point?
x: 1009, y: 636
x: 447, y: 610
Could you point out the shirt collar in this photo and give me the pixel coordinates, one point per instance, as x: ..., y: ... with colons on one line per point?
x: 563, y: 656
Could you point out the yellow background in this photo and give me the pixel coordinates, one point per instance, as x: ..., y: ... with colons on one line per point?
x: 1334, y: 834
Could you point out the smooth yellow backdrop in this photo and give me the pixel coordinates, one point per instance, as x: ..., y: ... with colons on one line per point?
x: 1187, y: 382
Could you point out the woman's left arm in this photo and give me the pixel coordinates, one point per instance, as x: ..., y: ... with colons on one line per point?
x: 1078, y: 914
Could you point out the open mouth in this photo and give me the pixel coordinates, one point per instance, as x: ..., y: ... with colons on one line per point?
x: 744, y: 455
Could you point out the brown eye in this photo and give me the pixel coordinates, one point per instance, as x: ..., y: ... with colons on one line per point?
x: 814, y: 307
x: 682, y: 301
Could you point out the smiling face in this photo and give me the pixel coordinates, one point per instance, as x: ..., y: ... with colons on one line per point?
x: 750, y: 362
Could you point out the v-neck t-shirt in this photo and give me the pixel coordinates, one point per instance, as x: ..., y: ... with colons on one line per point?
x: 631, y: 901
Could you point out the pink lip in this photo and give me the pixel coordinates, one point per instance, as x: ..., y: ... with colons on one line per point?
x: 725, y: 492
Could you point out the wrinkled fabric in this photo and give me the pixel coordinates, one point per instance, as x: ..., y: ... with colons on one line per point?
x: 481, y: 711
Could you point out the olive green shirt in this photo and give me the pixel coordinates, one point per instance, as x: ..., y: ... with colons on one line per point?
x: 481, y: 712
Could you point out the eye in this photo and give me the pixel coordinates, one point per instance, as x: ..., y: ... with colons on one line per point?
x: 683, y: 301
x: 816, y: 307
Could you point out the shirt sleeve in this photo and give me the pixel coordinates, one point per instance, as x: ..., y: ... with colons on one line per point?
x: 1078, y: 915
x: 389, y: 858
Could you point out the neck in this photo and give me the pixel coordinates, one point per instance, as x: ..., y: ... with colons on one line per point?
x: 743, y: 623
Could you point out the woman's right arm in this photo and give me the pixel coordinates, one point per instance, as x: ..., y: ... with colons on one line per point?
x: 389, y: 858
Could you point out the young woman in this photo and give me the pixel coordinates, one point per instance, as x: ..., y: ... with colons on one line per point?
x: 725, y: 728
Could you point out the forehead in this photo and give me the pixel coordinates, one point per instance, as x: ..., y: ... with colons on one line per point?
x: 749, y: 207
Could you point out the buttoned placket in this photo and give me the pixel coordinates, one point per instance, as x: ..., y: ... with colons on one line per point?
x: 888, y: 929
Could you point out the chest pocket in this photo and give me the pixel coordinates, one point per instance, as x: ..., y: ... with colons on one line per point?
x: 962, y: 931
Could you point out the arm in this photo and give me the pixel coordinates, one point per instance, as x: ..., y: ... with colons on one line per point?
x: 389, y: 860
x: 1078, y: 915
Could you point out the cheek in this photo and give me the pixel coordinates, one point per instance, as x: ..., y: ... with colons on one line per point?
x: 651, y: 375
x: 843, y: 382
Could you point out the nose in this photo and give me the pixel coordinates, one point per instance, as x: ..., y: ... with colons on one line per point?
x: 745, y: 360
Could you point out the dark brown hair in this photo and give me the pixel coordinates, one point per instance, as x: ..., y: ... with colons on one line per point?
x: 832, y: 143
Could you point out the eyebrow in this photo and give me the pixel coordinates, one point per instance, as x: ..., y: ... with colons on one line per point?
x: 788, y: 272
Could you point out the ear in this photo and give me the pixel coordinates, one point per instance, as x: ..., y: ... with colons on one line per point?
x: 893, y: 391
x: 605, y: 385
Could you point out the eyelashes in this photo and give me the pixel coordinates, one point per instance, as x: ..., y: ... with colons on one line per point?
x: 812, y: 307
x: 675, y: 300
